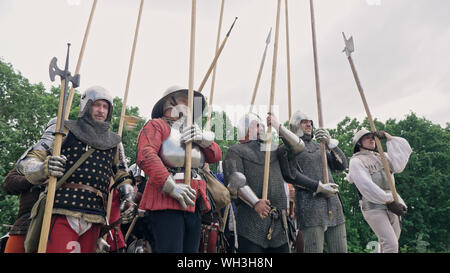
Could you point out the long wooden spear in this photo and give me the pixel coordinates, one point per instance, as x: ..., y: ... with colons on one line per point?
x: 188, y: 162
x: 211, y: 67
x: 288, y: 60
x: 59, y: 133
x: 319, y: 103
x: 130, y: 70
x: 213, y: 79
x: 349, y: 48
x: 124, y: 106
x: 80, y: 59
x: 272, y: 94
x: 261, y: 66
x: 216, y: 57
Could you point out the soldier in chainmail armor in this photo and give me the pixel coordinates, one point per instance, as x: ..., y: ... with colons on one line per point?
x: 79, y: 209
x: 319, y: 210
x: 260, y: 223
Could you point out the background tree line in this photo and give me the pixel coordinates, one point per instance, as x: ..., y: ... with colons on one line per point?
x: 25, y: 108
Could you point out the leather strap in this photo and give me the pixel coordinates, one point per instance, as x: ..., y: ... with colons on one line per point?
x: 86, y: 187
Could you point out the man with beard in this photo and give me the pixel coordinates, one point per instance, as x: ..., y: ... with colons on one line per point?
x: 261, y: 224
x: 315, y: 198
x: 173, y: 207
x: 79, y: 208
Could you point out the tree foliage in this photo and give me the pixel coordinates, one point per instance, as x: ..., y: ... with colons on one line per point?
x: 25, y: 110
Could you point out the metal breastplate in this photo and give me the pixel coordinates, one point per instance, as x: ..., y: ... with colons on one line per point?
x: 379, y: 178
x: 172, y: 151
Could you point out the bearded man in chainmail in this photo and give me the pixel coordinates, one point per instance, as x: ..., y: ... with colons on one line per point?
x: 79, y: 209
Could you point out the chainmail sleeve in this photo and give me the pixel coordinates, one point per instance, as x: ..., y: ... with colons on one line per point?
x: 232, y: 163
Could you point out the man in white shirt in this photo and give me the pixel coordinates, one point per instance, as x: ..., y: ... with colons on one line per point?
x: 378, y: 207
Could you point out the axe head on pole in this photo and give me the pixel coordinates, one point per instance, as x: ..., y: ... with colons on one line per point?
x: 54, y: 71
x: 349, y: 46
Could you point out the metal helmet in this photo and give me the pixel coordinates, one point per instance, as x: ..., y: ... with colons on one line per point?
x: 296, y: 119
x: 169, y: 99
x: 91, y: 95
x: 135, y: 170
x: 245, y: 122
x: 357, y: 137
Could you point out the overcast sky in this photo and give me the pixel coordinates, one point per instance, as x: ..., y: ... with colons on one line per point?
x: 401, y: 51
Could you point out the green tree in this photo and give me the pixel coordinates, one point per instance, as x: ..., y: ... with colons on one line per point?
x: 129, y: 136
x: 25, y: 110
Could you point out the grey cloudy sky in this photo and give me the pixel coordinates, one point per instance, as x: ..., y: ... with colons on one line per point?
x: 401, y: 51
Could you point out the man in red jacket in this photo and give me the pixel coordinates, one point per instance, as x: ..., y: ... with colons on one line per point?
x: 173, y: 207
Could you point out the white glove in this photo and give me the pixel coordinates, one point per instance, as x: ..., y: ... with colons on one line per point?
x: 323, y: 134
x: 184, y: 194
x: 328, y: 189
x: 195, y: 134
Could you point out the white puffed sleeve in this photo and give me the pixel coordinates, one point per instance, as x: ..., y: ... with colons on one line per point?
x: 398, y: 152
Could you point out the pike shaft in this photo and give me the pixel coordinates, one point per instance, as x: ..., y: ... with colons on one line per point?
x: 213, y: 79
x: 80, y: 59
x: 272, y: 93
x: 258, y: 78
x: 319, y: 105
x: 373, y: 129
x: 188, y: 162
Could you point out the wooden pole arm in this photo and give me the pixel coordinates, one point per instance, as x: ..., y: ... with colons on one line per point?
x: 51, y: 187
x: 80, y: 60
x: 188, y: 161
x: 384, y: 161
x: 272, y: 94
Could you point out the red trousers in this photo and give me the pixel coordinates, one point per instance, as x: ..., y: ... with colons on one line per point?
x: 63, y: 239
x: 15, y: 244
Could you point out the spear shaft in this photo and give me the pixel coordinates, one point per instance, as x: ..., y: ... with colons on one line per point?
x: 213, y: 79
x: 188, y: 162
x: 57, y: 143
x: 130, y: 69
x: 216, y: 57
x: 261, y: 66
x: 122, y: 115
x: 272, y: 93
x: 319, y: 104
x: 349, y: 48
x: 288, y: 59
x: 80, y: 59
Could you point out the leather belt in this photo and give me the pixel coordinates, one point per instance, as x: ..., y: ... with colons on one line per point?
x: 88, y: 188
x: 180, y: 176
